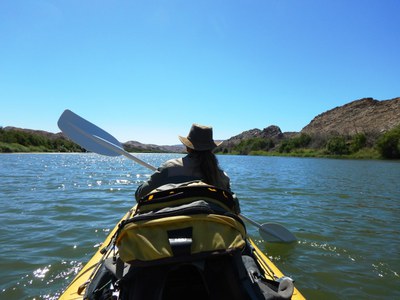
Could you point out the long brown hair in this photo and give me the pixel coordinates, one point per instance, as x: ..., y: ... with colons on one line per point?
x: 209, y: 167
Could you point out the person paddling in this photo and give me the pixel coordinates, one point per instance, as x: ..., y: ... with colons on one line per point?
x: 199, y: 164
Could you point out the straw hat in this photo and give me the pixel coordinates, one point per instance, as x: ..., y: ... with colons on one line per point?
x: 200, y: 138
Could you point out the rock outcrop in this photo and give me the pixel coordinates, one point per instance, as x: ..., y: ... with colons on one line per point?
x: 366, y: 115
x: 270, y: 132
x: 134, y: 146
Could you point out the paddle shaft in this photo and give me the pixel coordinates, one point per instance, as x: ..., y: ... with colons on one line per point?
x: 251, y: 222
x: 121, y: 151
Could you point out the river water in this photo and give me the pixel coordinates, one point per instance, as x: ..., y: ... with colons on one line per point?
x: 57, y: 208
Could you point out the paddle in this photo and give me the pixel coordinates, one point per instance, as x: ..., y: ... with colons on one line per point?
x: 272, y: 232
x: 95, y: 139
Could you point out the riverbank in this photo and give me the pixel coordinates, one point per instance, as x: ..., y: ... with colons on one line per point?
x: 367, y: 153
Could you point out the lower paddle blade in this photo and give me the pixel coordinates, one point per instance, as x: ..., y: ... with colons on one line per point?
x: 86, y: 134
x: 273, y: 232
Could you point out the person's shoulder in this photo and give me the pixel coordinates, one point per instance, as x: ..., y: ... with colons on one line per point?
x: 172, y: 163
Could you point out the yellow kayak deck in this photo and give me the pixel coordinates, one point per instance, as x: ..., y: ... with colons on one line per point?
x: 76, y: 289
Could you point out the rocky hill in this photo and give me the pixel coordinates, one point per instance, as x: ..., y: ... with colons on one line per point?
x: 366, y: 115
x: 47, y: 134
x: 270, y: 132
x: 134, y: 146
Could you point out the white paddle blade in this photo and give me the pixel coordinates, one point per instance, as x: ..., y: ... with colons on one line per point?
x: 93, y: 138
x: 273, y: 232
x: 85, y: 133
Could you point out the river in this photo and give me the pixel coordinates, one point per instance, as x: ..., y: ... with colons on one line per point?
x: 57, y: 208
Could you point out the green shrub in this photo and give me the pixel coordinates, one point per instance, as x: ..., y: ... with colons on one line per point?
x: 301, y: 141
x: 389, y: 144
x: 337, y: 145
x: 358, y: 142
x: 253, y: 144
x: 285, y: 147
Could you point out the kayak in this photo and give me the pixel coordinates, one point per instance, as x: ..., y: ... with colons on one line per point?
x: 182, y: 242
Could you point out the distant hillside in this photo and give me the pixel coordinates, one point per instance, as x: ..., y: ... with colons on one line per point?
x: 14, y: 139
x: 368, y: 118
x: 134, y: 146
x: 272, y: 132
x: 361, y: 116
x: 43, y: 133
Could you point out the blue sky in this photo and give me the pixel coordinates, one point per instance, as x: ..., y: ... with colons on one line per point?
x: 147, y: 70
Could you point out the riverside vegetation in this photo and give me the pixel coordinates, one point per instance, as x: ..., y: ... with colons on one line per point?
x: 360, y: 145
x: 19, y: 140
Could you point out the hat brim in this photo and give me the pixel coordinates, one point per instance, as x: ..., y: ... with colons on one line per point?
x: 198, y: 146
